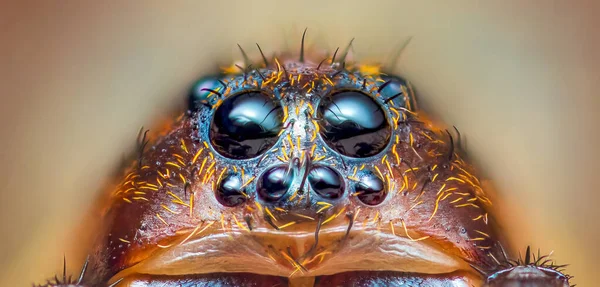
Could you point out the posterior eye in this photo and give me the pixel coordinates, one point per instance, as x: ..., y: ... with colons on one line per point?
x: 354, y: 124
x: 200, y: 91
x: 246, y: 125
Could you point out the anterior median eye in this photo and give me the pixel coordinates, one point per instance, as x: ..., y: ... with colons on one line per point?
x: 326, y: 182
x: 246, y: 125
x: 354, y: 124
x: 274, y: 183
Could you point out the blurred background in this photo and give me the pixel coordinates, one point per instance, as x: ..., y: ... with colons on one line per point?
x: 520, y: 79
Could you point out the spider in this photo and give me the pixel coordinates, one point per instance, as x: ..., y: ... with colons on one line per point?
x: 303, y: 171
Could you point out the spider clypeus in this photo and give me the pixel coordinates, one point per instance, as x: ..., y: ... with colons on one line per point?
x: 303, y: 171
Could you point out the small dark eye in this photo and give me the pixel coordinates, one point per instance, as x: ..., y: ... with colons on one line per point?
x: 198, y: 94
x: 354, y: 124
x: 246, y: 125
x: 326, y: 182
x: 370, y: 190
x: 274, y: 183
x: 230, y: 191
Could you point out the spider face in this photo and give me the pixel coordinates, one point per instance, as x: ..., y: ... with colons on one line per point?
x: 300, y: 173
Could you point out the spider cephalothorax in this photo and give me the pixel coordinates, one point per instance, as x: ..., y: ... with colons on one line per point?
x: 310, y: 172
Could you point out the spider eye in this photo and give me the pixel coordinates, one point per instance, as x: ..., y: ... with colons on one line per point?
x: 326, y: 182
x: 246, y: 125
x: 199, y: 93
x: 370, y: 190
x: 354, y: 124
x: 273, y: 185
x: 230, y: 191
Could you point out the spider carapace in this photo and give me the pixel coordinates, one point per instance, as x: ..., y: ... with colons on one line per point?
x: 303, y: 171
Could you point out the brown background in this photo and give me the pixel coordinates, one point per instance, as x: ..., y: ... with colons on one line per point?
x: 78, y: 78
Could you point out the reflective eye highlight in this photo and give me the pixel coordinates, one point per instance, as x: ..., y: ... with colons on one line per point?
x: 230, y: 191
x: 246, y: 125
x: 353, y: 124
x: 274, y: 183
x: 326, y: 182
x: 199, y: 93
x: 371, y: 190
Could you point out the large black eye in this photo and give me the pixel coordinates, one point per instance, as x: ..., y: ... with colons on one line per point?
x: 354, y: 124
x: 246, y: 125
